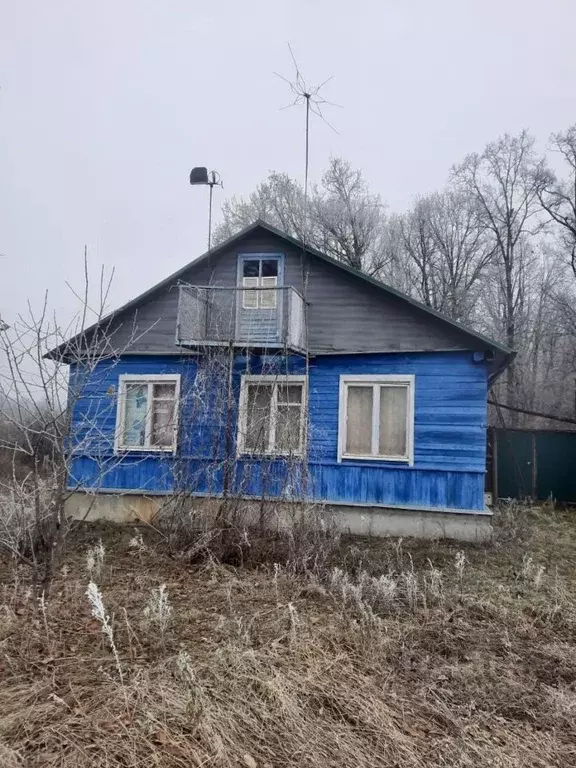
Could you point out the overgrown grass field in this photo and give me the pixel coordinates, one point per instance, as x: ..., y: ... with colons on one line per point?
x: 387, y: 653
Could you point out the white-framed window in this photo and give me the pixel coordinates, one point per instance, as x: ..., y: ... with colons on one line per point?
x: 272, y: 415
x: 147, y: 413
x: 259, y: 273
x: 376, y: 418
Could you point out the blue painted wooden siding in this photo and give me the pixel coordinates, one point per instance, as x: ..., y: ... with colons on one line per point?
x: 449, y: 434
x: 450, y: 406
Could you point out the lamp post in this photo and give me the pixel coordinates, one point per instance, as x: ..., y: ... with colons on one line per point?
x: 200, y: 176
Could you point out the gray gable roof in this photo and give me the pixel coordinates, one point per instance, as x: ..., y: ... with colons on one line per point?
x: 501, y: 353
x: 489, y: 343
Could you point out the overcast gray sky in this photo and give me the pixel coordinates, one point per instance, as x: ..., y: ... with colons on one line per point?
x: 105, y: 106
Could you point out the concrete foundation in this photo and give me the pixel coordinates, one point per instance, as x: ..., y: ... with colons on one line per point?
x: 463, y: 525
x: 422, y: 524
x: 126, y: 508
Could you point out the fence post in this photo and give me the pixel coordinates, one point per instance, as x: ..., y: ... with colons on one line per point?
x: 494, y: 464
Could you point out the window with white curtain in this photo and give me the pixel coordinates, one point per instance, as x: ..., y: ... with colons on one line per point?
x: 147, y: 413
x: 272, y: 415
x: 376, y: 418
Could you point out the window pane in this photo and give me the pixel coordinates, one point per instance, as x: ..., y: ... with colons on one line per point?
x: 359, y: 421
x: 251, y: 268
x: 258, y: 418
x: 268, y: 298
x: 270, y: 268
x: 163, y: 423
x: 290, y: 393
x: 288, y: 429
x: 165, y: 390
x: 250, y: 298
x: 393, y: 408
x: 135, y: 409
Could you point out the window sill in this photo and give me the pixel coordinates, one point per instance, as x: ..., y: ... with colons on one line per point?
x: 391, y: 459
x: 141, y: 449
x: 269, y: 455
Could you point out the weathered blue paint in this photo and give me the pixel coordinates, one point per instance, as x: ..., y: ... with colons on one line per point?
x: 449, y: 433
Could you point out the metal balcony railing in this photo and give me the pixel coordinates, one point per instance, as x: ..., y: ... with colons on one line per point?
x: 251, y: 317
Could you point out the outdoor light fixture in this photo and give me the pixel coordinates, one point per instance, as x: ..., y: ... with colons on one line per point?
x: 200, y: 176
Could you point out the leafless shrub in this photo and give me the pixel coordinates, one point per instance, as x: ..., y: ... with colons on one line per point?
x: 302, y: 537
x: 44, y: 375
x: 513, y: 524
x: 25, y: 512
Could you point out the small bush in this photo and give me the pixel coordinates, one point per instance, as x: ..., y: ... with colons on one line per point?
x: 304, y: 538
x: 26, y: 516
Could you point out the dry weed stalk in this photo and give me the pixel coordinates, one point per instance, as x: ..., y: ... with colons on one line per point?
x: 136, y: 543
x: 158, y: 611
x: 95, y: 557
x: 460, y: 565
x: 99, y: 613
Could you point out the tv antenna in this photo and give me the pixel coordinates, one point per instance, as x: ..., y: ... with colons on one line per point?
x: 200, y: 176
x: 314, y: 102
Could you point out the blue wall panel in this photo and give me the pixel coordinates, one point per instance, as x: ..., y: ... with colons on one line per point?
x: 449, y: 433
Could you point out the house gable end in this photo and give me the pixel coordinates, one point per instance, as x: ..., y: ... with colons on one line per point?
x: 347, y: 311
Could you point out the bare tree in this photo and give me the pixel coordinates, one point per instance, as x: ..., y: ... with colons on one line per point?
x: 558, y: 196
x: 503, y: 181
x: 345, y: 220
x: 43, y: 377
x: 348, y: 221
x: 421, y: 254
x: 446, y: 252
x: 464, y: 252
x: 279, y: 200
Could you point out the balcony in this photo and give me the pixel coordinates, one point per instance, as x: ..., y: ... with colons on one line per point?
x: 244, y: 317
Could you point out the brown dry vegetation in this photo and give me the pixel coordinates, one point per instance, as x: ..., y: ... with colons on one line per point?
x: 263, y: 667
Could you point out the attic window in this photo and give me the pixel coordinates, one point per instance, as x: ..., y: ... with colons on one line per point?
x: 376, y: 418
x: 259, y: 274
x: 147, y: 413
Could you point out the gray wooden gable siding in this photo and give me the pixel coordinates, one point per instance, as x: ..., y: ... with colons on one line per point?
x: 345, y: 314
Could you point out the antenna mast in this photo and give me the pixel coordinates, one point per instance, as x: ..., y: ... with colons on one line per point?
x: 314, y: 102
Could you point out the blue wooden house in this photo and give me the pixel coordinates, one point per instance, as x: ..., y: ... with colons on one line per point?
x: 267, y: 371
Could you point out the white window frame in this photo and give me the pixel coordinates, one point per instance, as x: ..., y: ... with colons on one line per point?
x: 150, y: 380
x: 256, y: 288
x: 278, y: 380
x: 376, y: 381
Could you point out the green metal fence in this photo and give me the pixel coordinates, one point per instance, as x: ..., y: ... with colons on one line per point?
x: 536, y: 464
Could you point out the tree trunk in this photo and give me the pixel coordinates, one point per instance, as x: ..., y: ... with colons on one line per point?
x: 510, y: 338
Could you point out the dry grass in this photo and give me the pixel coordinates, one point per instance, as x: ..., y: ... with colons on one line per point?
x: 423, y: 667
